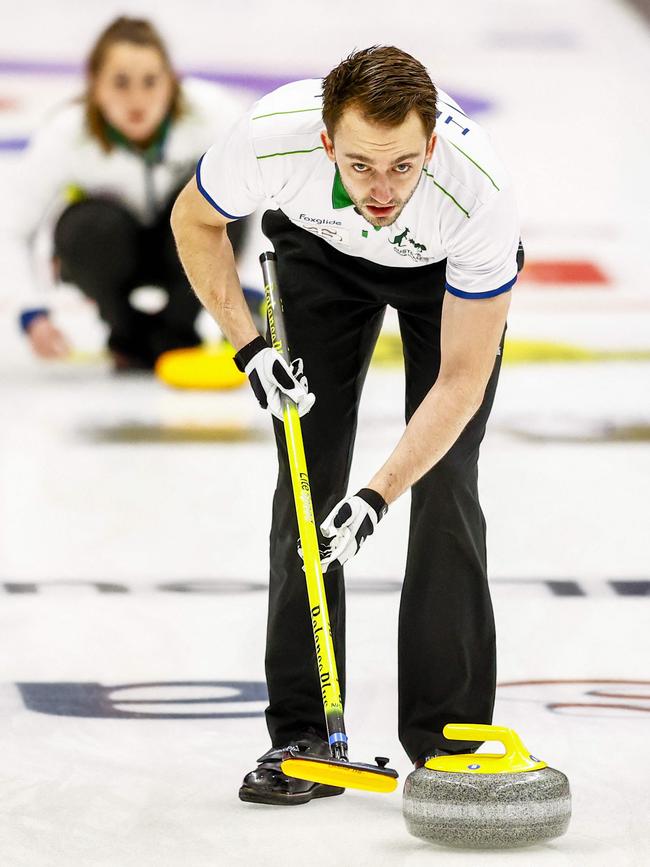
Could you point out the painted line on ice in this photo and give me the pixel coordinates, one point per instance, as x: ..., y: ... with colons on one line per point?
x: 13, y: 144
x: 561, y: 588
x: 258, y: 81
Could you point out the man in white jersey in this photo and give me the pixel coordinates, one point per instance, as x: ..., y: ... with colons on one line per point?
x: 386, y: 194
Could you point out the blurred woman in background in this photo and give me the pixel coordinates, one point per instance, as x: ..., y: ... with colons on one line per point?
x: 103, y: 172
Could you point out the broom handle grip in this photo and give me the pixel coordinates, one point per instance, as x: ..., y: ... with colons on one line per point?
x: 277, y: 329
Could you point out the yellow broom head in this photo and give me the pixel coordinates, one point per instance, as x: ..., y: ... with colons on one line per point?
x: 334, y: 772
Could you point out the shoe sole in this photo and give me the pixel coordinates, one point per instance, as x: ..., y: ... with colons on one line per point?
x: 276, y: 799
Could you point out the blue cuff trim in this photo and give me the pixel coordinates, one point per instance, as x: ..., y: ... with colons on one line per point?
x: 206, y: 195
x: 460, y: 294
x: 27, y: 317
x: 338, y: 737
x: 252, y: 295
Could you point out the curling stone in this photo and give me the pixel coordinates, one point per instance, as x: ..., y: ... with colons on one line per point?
x: 205, y: 367
x: 486, y: 801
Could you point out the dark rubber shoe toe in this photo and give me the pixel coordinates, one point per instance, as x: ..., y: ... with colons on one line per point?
x: 268, y: 785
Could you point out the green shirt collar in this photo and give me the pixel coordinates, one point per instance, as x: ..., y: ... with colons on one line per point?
x: 150, y: 154
x: 340, y: 197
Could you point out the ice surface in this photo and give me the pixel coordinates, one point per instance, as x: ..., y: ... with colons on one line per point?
x: 133, y: 549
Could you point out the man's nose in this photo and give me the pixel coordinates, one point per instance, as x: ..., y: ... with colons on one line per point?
x: 381, y: 191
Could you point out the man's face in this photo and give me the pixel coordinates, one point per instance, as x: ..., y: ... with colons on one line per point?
x: 380, y: 166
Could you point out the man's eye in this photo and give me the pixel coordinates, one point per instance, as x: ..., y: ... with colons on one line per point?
x: 121, y: 82
x: 359, y: 167
x: 150, y: 81
x: 402, y: 168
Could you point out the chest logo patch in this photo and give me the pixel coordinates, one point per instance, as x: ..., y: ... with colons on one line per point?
x: 404, y: 245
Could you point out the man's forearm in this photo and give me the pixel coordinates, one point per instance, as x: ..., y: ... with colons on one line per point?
x: 433, y: 429
x: 209, y: 262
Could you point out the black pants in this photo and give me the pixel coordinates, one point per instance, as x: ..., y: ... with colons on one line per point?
x: 107, y: 254
x: 334, y: 306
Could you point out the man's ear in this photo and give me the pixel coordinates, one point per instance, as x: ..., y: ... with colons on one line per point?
x: 430, y: 147
x: 328, y: 144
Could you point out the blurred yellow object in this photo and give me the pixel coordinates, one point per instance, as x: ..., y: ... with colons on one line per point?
x: 74, y: 194
x: 388, y: 352
x: 204, y: 367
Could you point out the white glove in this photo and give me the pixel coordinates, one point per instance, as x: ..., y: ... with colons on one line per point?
x: 349, y: 524
x: 271, y: 377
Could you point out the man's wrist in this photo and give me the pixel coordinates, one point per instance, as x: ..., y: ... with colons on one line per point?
x: 375, y: 500
x: 385, y: 486
x: 248, y: 352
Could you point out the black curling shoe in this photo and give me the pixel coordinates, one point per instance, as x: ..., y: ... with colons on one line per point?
x: 268, y: 785
x: 435, y: 753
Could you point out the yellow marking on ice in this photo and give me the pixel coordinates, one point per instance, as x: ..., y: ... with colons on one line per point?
x: 388, y: 352
x: 228, y: 432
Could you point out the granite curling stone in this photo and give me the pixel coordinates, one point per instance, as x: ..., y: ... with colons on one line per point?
x: 486, y: 801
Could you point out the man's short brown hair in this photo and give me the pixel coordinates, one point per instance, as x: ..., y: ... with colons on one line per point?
x: 384, y: 83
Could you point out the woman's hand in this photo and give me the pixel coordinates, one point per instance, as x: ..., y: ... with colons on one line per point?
x: 46, y: 340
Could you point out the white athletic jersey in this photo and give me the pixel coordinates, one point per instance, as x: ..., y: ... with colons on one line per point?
x: 463, y: 209
x: 63, y: 161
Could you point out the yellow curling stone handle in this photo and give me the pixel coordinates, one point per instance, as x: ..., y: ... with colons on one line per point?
x: 515, y: 760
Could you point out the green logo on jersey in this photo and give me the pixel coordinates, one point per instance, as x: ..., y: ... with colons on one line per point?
x: 406, y: 251
x: 399, y: 238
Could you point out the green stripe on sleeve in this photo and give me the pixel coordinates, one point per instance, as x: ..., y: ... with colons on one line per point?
x: 480, y: 168
x: 446, y: 192
x: 293, y: 111
x: 288, y: 153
